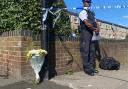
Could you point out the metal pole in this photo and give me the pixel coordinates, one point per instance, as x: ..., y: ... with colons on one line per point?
x: 44, y: 28
x: 44, y: 45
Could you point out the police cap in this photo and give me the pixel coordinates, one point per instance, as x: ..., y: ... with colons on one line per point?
x: 89, y: 1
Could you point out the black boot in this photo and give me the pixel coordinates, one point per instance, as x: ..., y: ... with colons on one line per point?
x: 89, y: 72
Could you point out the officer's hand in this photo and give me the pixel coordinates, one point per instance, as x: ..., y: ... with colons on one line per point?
x: 96, y: 30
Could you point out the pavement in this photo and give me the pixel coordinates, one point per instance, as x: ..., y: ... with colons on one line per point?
x: 78, y: 80
x: 27, y: 85
x: 104, y: 80
x: 8, y: 83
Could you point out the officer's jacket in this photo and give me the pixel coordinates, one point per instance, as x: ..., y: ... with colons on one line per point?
x: 91, y: 19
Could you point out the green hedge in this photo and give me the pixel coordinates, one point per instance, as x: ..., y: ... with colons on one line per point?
x: 62, y: 26
x: 20, y: 14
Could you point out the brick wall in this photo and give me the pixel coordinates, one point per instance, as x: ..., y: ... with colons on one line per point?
x: 63, y: 53
x: 117, y: 49
x: 66, y: 50
x: 13, y: 48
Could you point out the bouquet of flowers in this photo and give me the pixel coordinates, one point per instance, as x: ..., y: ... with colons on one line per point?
x: 36, y: 58
x: 33, y: 52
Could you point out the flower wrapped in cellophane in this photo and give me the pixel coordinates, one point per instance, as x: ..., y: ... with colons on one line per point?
x: 36, y: 58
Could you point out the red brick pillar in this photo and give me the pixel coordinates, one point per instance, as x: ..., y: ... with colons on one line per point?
x: 14, y: 46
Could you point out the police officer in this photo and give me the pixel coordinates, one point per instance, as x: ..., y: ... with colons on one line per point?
x: 87, y: 47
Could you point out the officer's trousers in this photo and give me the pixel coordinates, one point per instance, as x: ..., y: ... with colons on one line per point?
x: 87, y: 49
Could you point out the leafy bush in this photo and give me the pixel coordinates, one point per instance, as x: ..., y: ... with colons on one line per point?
x: 62, y: 26
x: 26, y: 14
x: 20, y: 14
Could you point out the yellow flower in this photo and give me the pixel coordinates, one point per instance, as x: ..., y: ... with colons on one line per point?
x: 38, y: 52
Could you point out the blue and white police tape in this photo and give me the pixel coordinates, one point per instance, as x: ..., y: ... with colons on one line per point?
x: 93, y: 7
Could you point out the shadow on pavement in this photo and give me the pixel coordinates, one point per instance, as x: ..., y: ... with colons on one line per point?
x: 27, y: 85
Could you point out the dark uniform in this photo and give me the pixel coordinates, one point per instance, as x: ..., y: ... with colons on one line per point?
x: 87, y: 47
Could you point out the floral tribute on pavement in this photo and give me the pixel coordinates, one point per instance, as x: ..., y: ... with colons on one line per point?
x: 36, y: 58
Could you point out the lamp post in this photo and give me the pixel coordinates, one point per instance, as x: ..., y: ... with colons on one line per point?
x: 44, y: 28
x: 44, y: 45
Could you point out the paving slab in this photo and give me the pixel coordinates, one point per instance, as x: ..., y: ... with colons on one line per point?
x: 79, y: 80
x: 104, y: 80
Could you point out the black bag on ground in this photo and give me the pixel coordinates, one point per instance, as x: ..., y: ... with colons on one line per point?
x: 109, y: 63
